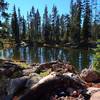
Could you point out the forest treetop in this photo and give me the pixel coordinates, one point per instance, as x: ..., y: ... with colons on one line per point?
x: 82, y: 24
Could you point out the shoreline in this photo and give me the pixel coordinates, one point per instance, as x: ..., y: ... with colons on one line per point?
x: 50, y: 45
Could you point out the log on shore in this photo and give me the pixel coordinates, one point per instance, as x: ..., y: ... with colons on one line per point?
x: 49, y: 85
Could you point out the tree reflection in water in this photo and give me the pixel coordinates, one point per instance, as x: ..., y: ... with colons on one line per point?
x: 80, y: 58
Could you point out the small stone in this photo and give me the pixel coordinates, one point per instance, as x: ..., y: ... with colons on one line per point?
x: 91, y: 90
x: 95, y: 96
x: 26, y: 72
x: 75, y: 94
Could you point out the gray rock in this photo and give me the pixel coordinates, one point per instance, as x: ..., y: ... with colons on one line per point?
x: 92, y: 90
x: 26, y: 72
x: 74, y: 77
x: 15, y: 84
x: 3, y: 86
x: 2, y: 71
x: 29, y: 71
x: 4, y: 97
x: 35, y: 78
x: 7, y: 69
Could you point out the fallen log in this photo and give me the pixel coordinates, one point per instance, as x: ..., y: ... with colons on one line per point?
x: 51, y: 84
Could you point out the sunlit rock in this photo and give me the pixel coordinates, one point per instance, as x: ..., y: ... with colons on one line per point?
x: 89, y: 75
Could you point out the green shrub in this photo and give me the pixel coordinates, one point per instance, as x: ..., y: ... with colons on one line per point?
x: 96, y: 62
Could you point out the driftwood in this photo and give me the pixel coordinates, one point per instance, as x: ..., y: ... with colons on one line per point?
x: 49, y: 85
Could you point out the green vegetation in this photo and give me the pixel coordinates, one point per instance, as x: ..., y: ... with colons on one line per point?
x: 98, y: 40
x: 45, y: 73
x: 21, y: 64
x: 96, y: 63
x: 79, y: 26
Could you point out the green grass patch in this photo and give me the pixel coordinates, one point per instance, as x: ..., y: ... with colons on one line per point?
x: 98, y: 40
x: 96, y: 62
x: 45, y: 73
x: 21, y: 64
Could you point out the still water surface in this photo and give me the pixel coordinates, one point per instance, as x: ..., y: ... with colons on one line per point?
x: 80, y: 58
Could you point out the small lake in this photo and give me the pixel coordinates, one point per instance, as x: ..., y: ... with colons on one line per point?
x: 80, y: 58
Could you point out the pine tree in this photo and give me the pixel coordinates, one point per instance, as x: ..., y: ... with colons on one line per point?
x: 32, y: 23
x: 28, y: 36
x: 37, y: 25
x: 23, y: 29
x: 54, y: 20
x: 67, y: 29
x: 31, y: 28
x: 62, y: 25
x: 15, y: 26
x: 96, y: 19
x: 4, y: 17
x: 57, y: 29
x: 87, y: 22
x: 75, y: 20
x: 78, y: 20
x: 20, y: 21
x: 72, y: 21
x: 3, y: 8
x: 46, y: 31
x: 50, y: 28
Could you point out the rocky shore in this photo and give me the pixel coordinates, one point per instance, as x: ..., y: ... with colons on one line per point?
x: 54, y: 80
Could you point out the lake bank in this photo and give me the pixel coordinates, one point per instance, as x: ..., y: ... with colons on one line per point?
x: 6, y: 43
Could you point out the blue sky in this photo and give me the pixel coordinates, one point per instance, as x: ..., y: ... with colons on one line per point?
x: 25, y: 5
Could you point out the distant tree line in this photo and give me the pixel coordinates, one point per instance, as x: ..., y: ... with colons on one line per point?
x: 4, y: 26
x: 82, y: 24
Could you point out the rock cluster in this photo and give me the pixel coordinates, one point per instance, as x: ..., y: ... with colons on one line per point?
x: 61, y: 83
